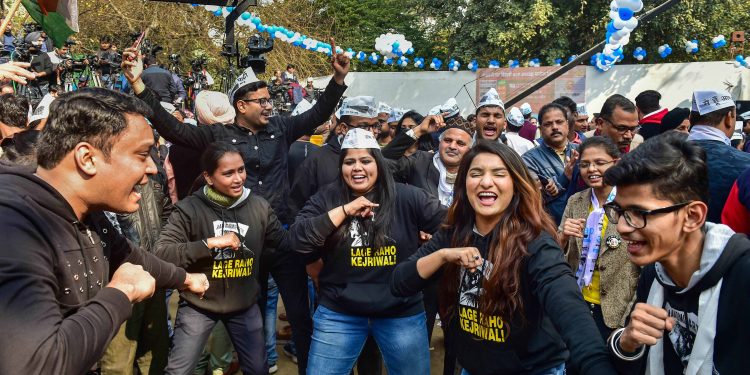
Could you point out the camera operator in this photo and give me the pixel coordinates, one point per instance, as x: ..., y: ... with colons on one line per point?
x: 107, y: 62
x: 8, y: 43
x: 159, y: 79
x: 174, y: 64
x: 41, y: 67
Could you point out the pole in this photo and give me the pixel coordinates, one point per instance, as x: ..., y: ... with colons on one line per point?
x: 586, y: 55
x: 230, y: 47
x: 9, y: 15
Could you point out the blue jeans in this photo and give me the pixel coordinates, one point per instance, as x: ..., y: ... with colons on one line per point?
x: 193, y: 326
x: 338, y: 340
x: 270, y: 327
x: 557, y: 370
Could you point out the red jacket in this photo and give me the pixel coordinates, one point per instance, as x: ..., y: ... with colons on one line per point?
x: 736, y: 214
x: 654, y: 118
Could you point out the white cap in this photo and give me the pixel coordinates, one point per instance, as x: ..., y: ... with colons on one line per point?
x: 396, y: 114
x: 309, y: 79
x: 246, y: 78
x: 384, y: 108
x: 169, y: 107
x: 359, y: 138
x: 42, y: 109
x: 361, y: 106
x: 434, y: 110
x: 515, y: 117
x: 190, y: 121
x: 744, y: 116
x: 450, y: 107
x: 338, y: 113
x: 491, y: 97
x: 710, y: 101
x: 526, y: 109
x: 736, y: 136
x: 581, y: 109
x: 302, y: 107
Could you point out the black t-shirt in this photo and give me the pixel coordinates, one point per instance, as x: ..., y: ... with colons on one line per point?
x: 298, y: 152
x: 41, y: 63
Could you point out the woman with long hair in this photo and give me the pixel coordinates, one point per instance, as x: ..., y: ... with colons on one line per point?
x: 362, y: 225
x: 220, y: 230
x: 595, y: 251
x: 410, y: 120
x: 511, y: 301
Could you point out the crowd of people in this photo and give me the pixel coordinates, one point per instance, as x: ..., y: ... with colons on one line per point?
x: 543, y: 241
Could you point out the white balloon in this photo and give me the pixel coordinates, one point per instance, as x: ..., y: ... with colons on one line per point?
x: 639, y: 57
x: 211, y: 8
x: 455, y: 68
x: 432, y: 65
x: 661, y: 49
x: 737, y: 64
x: 634, y: 5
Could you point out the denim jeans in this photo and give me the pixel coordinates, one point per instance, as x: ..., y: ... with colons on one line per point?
x: 338, y: 339
x: 557, y: 370
x: 193, y: 326
x: 270, y: 321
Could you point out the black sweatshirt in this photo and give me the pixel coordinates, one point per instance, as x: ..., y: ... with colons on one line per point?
x: 233, y: 275
x: 55, y: 313
x: 554, y: 311
x: 355, y: 277
x: 265, y: 153
x: 730, y: 355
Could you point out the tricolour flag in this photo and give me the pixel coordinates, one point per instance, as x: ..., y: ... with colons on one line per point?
x: 59, y: 18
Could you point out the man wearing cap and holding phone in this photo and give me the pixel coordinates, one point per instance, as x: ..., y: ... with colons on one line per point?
x: 713, y: 116
x: 264, y: 142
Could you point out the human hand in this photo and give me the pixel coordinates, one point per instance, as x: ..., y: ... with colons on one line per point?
x: 424, y: 237
x: 574, y: 227
x: 551, y: 188
x: 196, y: 283
x: 132, y: 280
x: 340, y: 63
x: 646, y: 327
x: 16, y: 71
x: 430, y: 124
x: 467, y: 257
x: 570, y: 164
x: 132, y: 68
x: 361, y: 207
x: 228, y: 240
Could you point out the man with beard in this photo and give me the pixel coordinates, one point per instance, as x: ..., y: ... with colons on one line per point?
x: 554, y: 160
x: 618, y: 121
x: 264, y: 143
x: 490, y: 116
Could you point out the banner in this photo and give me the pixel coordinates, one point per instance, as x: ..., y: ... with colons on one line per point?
x: 511, y: 81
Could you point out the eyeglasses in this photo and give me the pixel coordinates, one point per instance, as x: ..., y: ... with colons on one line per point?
x: 634, y: 217
x: 597, y: 163
x: 369, y: 128
x: 261, y: 101
x: 622, y: 129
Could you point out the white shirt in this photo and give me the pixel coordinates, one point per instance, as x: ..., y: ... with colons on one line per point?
x: 519, y: 144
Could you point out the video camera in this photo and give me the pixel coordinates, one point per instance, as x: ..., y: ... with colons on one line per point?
x: 257, y: 46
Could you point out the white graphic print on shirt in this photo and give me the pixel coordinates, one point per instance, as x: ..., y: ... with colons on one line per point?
x: 683, y: 333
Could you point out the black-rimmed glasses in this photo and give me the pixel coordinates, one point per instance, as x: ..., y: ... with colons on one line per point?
x: 635, y: 217
x: 261, y: 101
x: 622, y: 129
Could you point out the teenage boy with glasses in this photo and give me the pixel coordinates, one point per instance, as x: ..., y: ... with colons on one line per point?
x: 692, y: 293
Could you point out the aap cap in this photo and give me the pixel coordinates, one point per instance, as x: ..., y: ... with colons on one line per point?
x: 360, y: 106
x: 42, y: 109
x: 384, y: 108
x: 526, y: 109
x: 581, y: 109
x: 302, y: 107
x: 359, y: 138
x: 744, y: 116
x: 396, y: 114
x: 246, y: 78
x: 491, y: 98
x: 515, y: 117
x: 710, y: 101
x: 450, y: 107
x: 434, y: 110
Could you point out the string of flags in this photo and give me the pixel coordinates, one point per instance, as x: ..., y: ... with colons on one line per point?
x: 392, y: 49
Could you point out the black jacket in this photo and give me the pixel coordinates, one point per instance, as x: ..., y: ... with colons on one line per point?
x: 725, y: 164
x: 186, y: 165
x: 161, y: 81
x: 55, y: 312
x: 322, y: 168
x: 233, y: 275
x: 730, y: 355
x: 555, y: 316
x: 418, y: 170
x: 265, y: 153
x: 355, y: 277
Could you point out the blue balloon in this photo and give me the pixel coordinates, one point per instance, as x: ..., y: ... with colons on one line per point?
x: 625, y: 14
x: 410, y: 51
x: 558, y: 61
x: 255, y: 21
x: 217, y: 13
x: 611, y: 27
x: 739, y: 58
x: 230, y: 9
x: 245, y: 16
x: 396, y: 44
x: 261, y: 28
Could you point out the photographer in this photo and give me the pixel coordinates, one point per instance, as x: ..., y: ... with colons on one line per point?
x: 41, y: 67
x: 8, y: 43
x: 106, y: 62
x: 159, y: 79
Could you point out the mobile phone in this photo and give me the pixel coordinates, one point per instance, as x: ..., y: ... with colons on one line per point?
x: 543, y: 180
x: 137, y: 45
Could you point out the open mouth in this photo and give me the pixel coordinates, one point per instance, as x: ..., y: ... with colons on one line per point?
x: 487, y: 198
x: 137, y: 191
x: 595, y: 178
x: 236, y: 189
x: 634, y: 247
x: 359, y: 178
x: 489, y: 131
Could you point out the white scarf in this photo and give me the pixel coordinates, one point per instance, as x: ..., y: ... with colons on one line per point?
x: 701, y: 360
x: 592, y: 239
x: 445, y: 190
x: 709, y: 133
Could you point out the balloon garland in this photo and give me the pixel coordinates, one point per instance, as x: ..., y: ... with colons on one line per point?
x: 392, y: 49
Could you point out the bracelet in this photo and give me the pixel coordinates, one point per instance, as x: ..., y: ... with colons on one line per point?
x: 344, y: 209
x: 411, y: 134
x: 613, y: 344
x: 205, y: 242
